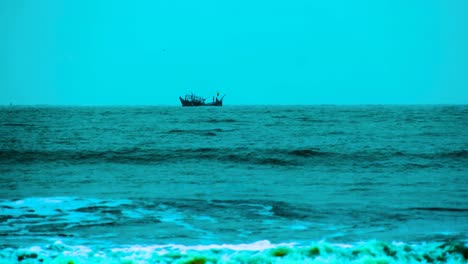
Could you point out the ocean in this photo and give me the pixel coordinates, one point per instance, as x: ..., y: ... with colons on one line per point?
x: 234, y: 184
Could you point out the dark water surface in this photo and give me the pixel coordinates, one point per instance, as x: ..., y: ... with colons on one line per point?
x: 118, y: 176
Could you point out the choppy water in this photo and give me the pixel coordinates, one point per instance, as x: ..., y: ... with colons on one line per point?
x: 245, y: 184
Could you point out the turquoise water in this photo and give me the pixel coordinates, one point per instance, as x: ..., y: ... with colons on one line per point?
x: 243, y: 184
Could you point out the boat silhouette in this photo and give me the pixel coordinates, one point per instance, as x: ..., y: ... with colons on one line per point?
x: 195, y: 100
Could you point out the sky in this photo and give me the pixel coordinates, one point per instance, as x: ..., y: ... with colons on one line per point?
x: 150, y: 52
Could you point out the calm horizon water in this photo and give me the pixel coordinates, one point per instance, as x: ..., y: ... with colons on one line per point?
x: 234, y: 184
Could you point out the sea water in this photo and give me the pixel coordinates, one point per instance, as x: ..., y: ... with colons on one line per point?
x: 234, y: 184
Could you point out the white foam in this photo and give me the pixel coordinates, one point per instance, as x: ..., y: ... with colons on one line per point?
x: 255, y: 246
x: 259, y: 251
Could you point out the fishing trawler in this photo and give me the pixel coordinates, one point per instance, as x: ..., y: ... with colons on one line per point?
x: 194, y: 100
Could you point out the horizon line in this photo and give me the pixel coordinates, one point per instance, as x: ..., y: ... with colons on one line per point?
x: 236, y: 105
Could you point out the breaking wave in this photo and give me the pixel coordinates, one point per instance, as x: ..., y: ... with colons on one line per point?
x: 257, y: 252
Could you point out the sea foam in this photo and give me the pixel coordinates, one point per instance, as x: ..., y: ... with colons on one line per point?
x: 257, y: 252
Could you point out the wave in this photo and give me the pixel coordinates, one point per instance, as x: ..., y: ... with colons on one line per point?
x: 201, y: 132
x: 226, y: 120
x: 139, y: 155
x: 308, y: 152
x: 243, y: 155
x: 69, y: 215
x: 16, y: 125
x: 194, y: 130
x: 440, y: 209
x: 257, y: 252
x: 455, y: 154
x: 143, y: 221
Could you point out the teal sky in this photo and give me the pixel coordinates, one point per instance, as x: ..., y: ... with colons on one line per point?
x: 91, y: 52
